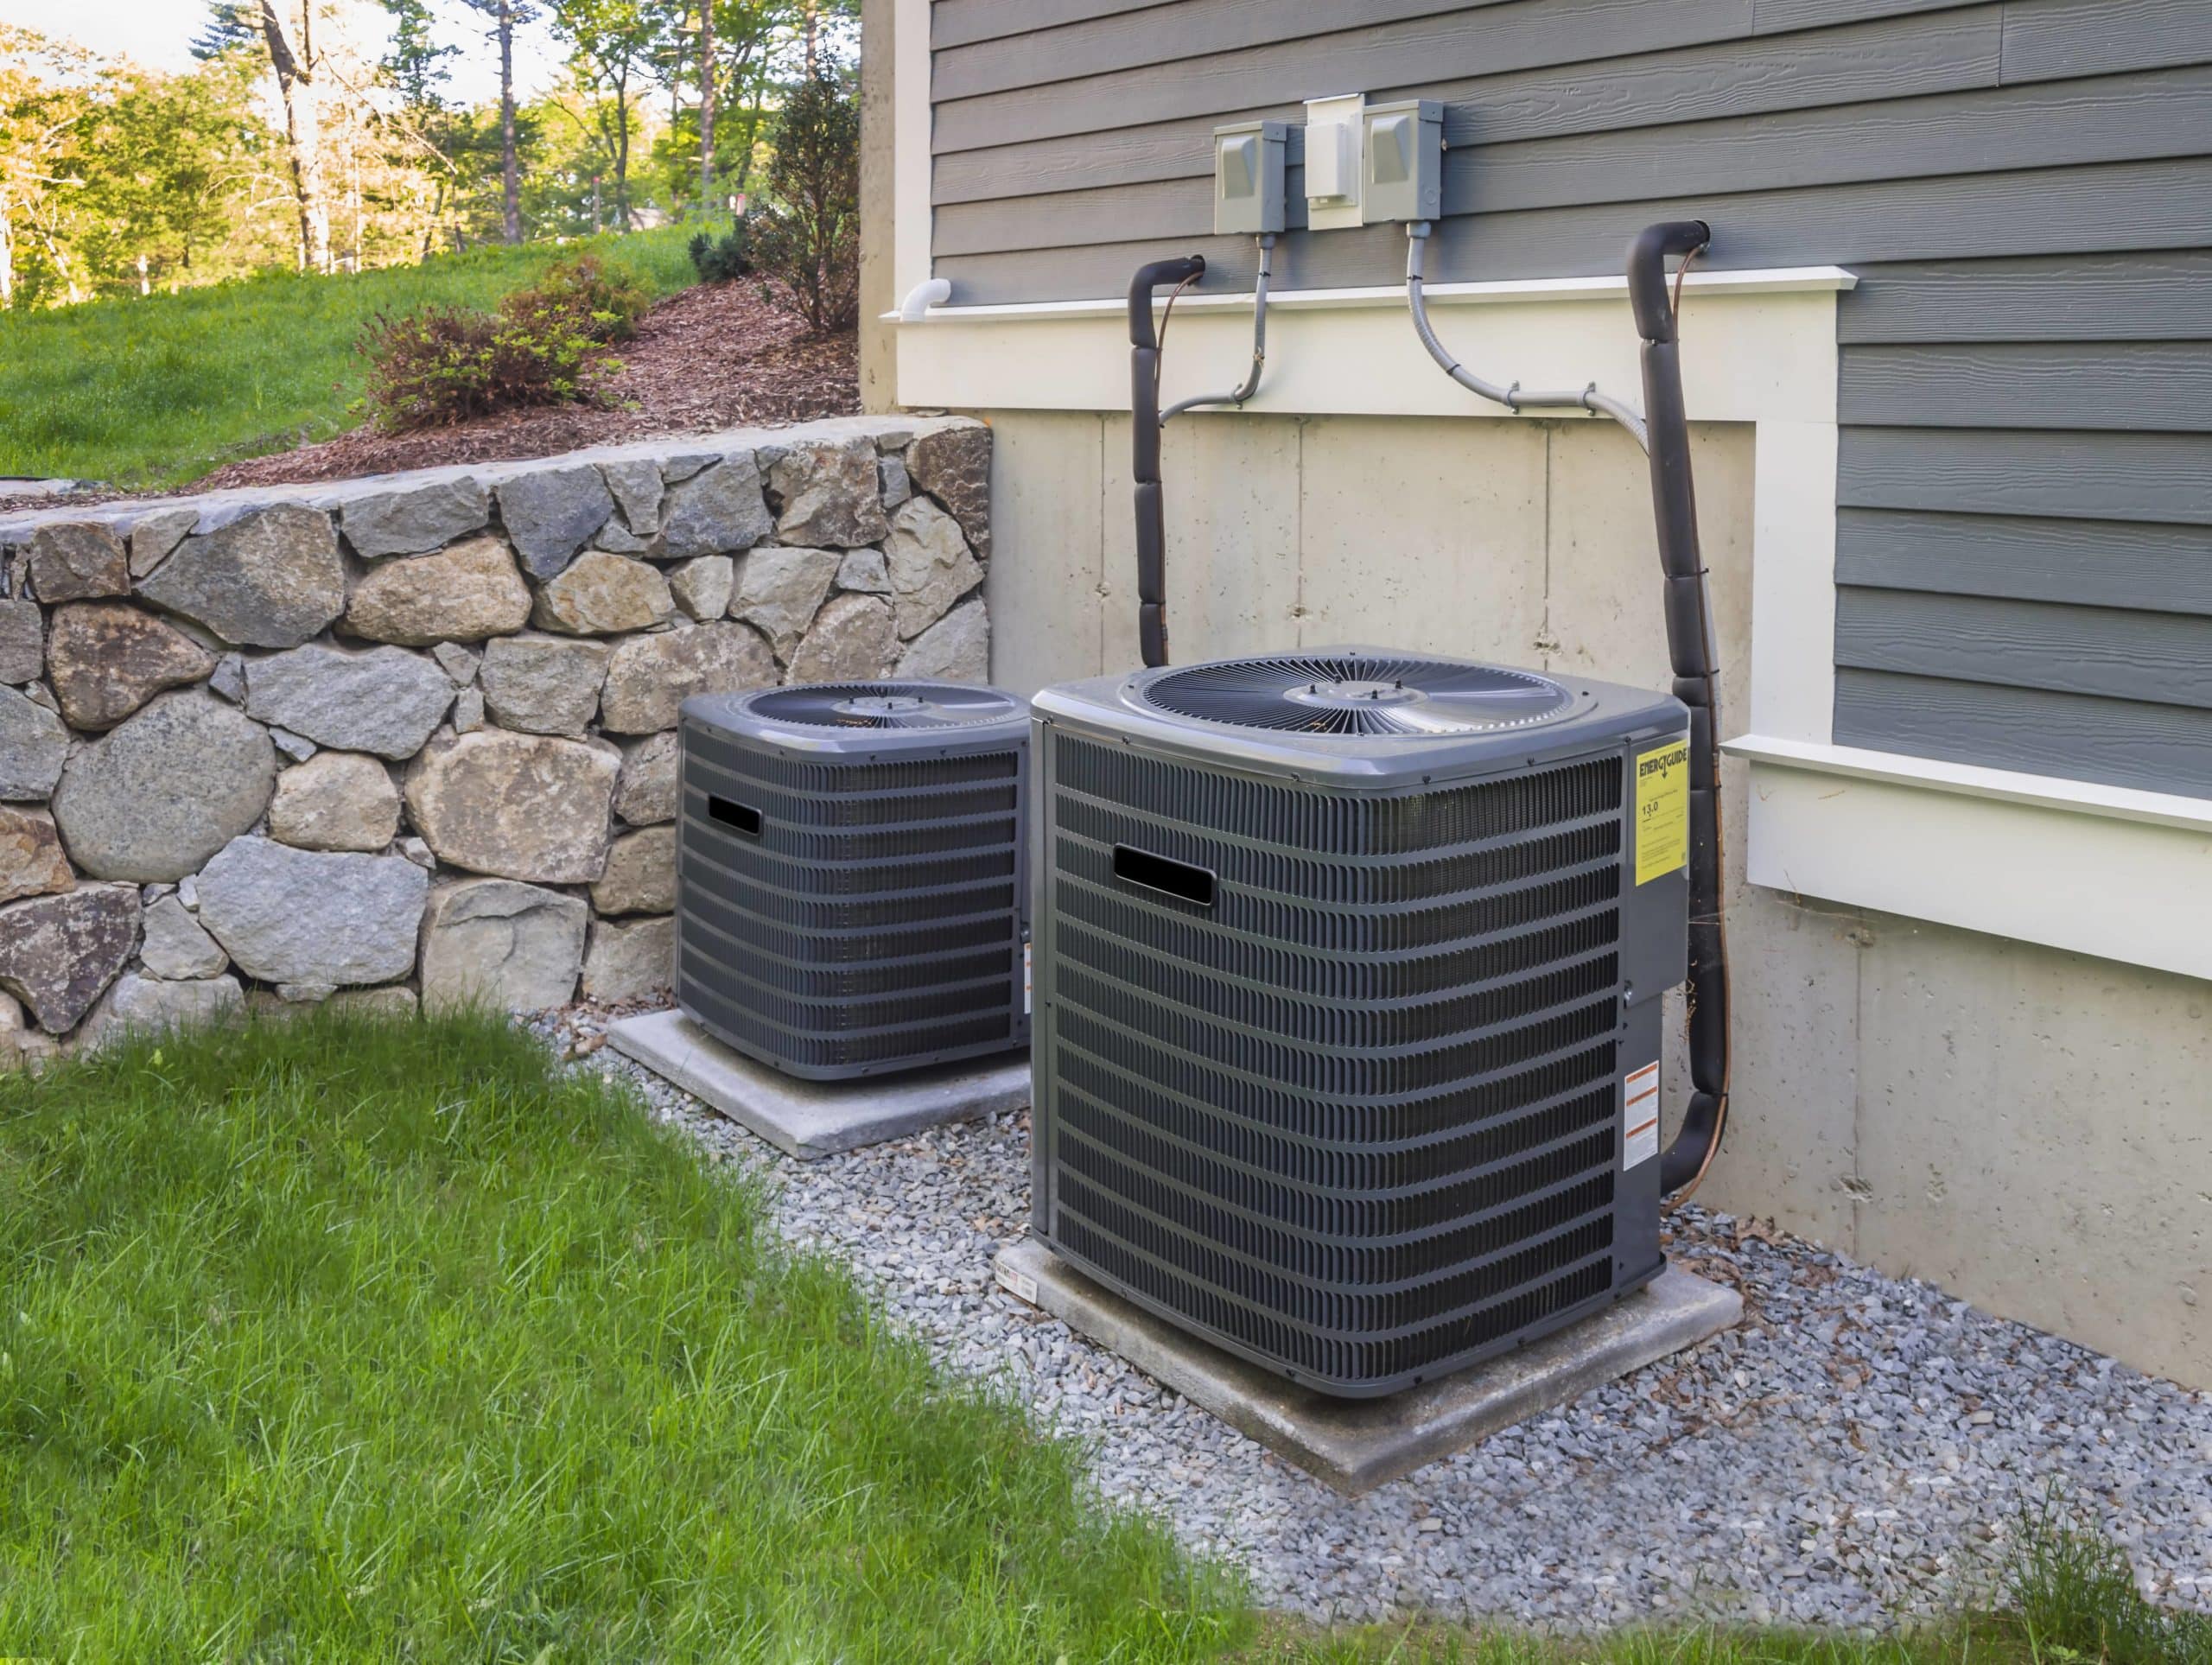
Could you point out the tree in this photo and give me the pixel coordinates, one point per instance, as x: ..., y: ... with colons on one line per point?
x: 288, y: 30
x: 507, y: 16
x: 231, y: 24
x: 44, y: 97
x: 809, y: 236
x: 612, y: 46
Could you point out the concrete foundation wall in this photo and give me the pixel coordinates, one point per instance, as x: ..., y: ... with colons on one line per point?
x: 2030, y: 1128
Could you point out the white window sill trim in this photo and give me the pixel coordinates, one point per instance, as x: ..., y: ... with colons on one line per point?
x: 2111, y: 871
x: 1792, y: 280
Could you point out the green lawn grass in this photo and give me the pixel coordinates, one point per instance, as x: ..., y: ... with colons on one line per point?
x: 337, y: 1339
x: 147, y: 392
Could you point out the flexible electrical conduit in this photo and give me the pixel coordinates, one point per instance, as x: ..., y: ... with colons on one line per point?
x: 1515, y: 397
x: 1259, y: 344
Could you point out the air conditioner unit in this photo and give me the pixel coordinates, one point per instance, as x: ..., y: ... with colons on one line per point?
x: 1349, y: 967
x: 852, y: 874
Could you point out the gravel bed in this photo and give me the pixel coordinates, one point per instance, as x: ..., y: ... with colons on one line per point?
x: 1853, y: 1454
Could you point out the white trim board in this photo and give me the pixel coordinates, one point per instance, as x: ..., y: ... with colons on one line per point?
x: 2025, y: 863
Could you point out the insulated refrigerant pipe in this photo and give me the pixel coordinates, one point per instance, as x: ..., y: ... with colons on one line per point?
x: 1144, y: 406
x: 1690, y: 647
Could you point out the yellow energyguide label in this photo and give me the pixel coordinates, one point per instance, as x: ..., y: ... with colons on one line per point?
x: 1662, y: 810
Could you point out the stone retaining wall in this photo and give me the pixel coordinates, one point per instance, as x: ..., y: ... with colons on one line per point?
x: 410, y: 738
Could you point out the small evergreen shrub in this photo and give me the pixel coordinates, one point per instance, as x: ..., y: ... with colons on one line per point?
x: 544, y: 345
x: 807, y: 238
x: 719, y: 259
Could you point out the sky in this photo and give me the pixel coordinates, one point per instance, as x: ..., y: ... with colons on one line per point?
x: 158, y: 33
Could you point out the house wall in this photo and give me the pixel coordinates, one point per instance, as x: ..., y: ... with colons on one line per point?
x: 2030, y: 1127
x: 2024, y: 190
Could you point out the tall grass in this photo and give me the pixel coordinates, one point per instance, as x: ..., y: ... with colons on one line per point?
x: 147, y: 392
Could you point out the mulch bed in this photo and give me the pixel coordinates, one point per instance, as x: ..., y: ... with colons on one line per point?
x: 716, y: 356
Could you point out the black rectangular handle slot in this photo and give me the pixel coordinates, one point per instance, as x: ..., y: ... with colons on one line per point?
x: 1178, y: 879
x: 740, y: 817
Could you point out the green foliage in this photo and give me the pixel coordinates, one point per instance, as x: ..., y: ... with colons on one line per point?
x: 546, y: 344
x: 2071, y: 1596
x: 719, y: 259
x: 339, y: 1339
x: 807, y: 235
x: 155, y: 391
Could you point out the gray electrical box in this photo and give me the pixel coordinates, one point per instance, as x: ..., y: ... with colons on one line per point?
x: 1404, y: 167
x: 1248, y: 177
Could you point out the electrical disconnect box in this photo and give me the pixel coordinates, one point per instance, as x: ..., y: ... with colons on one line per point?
x: 1333, y: 138
x: 1248, y: 177
x: 1403, y: 175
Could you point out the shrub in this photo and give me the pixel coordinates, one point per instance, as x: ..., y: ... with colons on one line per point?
x: 807, y: 238
x: 544, y: 345
x: 719, y: 259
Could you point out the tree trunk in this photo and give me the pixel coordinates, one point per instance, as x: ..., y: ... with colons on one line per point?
x: 705, y: 105
x: 7, y: 254
x: 294, y: 62
x: 622, y: 155
x: 813, y: 37
x: 509, y: 169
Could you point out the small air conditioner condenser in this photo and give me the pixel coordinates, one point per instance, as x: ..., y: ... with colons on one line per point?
x: 852, y: 874
x: 1349, y: 966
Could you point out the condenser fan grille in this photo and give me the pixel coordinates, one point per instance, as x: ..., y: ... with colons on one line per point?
x: 1357, y: 696
x: 884, y: 705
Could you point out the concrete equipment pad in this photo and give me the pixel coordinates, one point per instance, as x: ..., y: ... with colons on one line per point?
x: 813, y: 1119
x: 1355, y: 1446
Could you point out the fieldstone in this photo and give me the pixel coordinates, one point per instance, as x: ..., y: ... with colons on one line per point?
x: 681, y: 466
x: 703, y: 585
x: 780, y: 590
x: 649, y: 678
x: 271, y: 578
x: 298, y: 747
x: 468, y: 711
x: 34, y: 744
x: 602, y: 594
x: 953, y: 465
x: 956, y: 649
x: 385, y: 700
x: 515, y: 806
x: 829, y: 492
x: 303, y: 916
x: 154, y: 539
x: 228, y: 678
x: 158, y: 795
x: 544, y: 684
x: 416, y: 519
x: 460, y: 664
x: 852, y: 639
x: 615, y: 538
x: 551, y: 513
x: 864, y: 570
x: 22, y: 1046
x: 646, y: 792
x: 895, y: 485
x: 31, y: 862
x: 153, y: 1006
x: 107, y: 658
x: 23, y: 640
x: 188, y: 891
x: 336, y: 801
x: 73, y: 560
x: 419, y: 853
x: 636, y: 485
x: 718, y: 511
x: 389, y: 1002
x: 640, y: 876
x: 511, y: 947
x: 57, y: 954
x: 175, y: 947
x: 462, y: 595
x: 628, y: 960
x: 930, y: 565
x: 306, y: 994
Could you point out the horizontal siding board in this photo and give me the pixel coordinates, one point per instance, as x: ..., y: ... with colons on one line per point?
x: 1522, y: 34
x: 2159, y: 748
x: 957, y: 22
x: 2163, y: 658
x: 2093, y: 562
x: 2055, y: 39
x: 1131, y: 40
x: 2137, y: 477
x: 2123, y: 206
x: 2140, y: 386
x: 1942, y: 53
x: 2144, y: 295
x: 1774, y: 17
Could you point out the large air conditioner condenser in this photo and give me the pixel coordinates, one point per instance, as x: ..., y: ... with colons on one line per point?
x: 852, y: 874
x: 1349, y: 975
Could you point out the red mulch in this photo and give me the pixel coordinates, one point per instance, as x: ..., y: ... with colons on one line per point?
x: 716, y: 356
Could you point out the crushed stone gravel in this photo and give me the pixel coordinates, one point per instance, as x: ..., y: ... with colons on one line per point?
x: 1854, y: 1455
